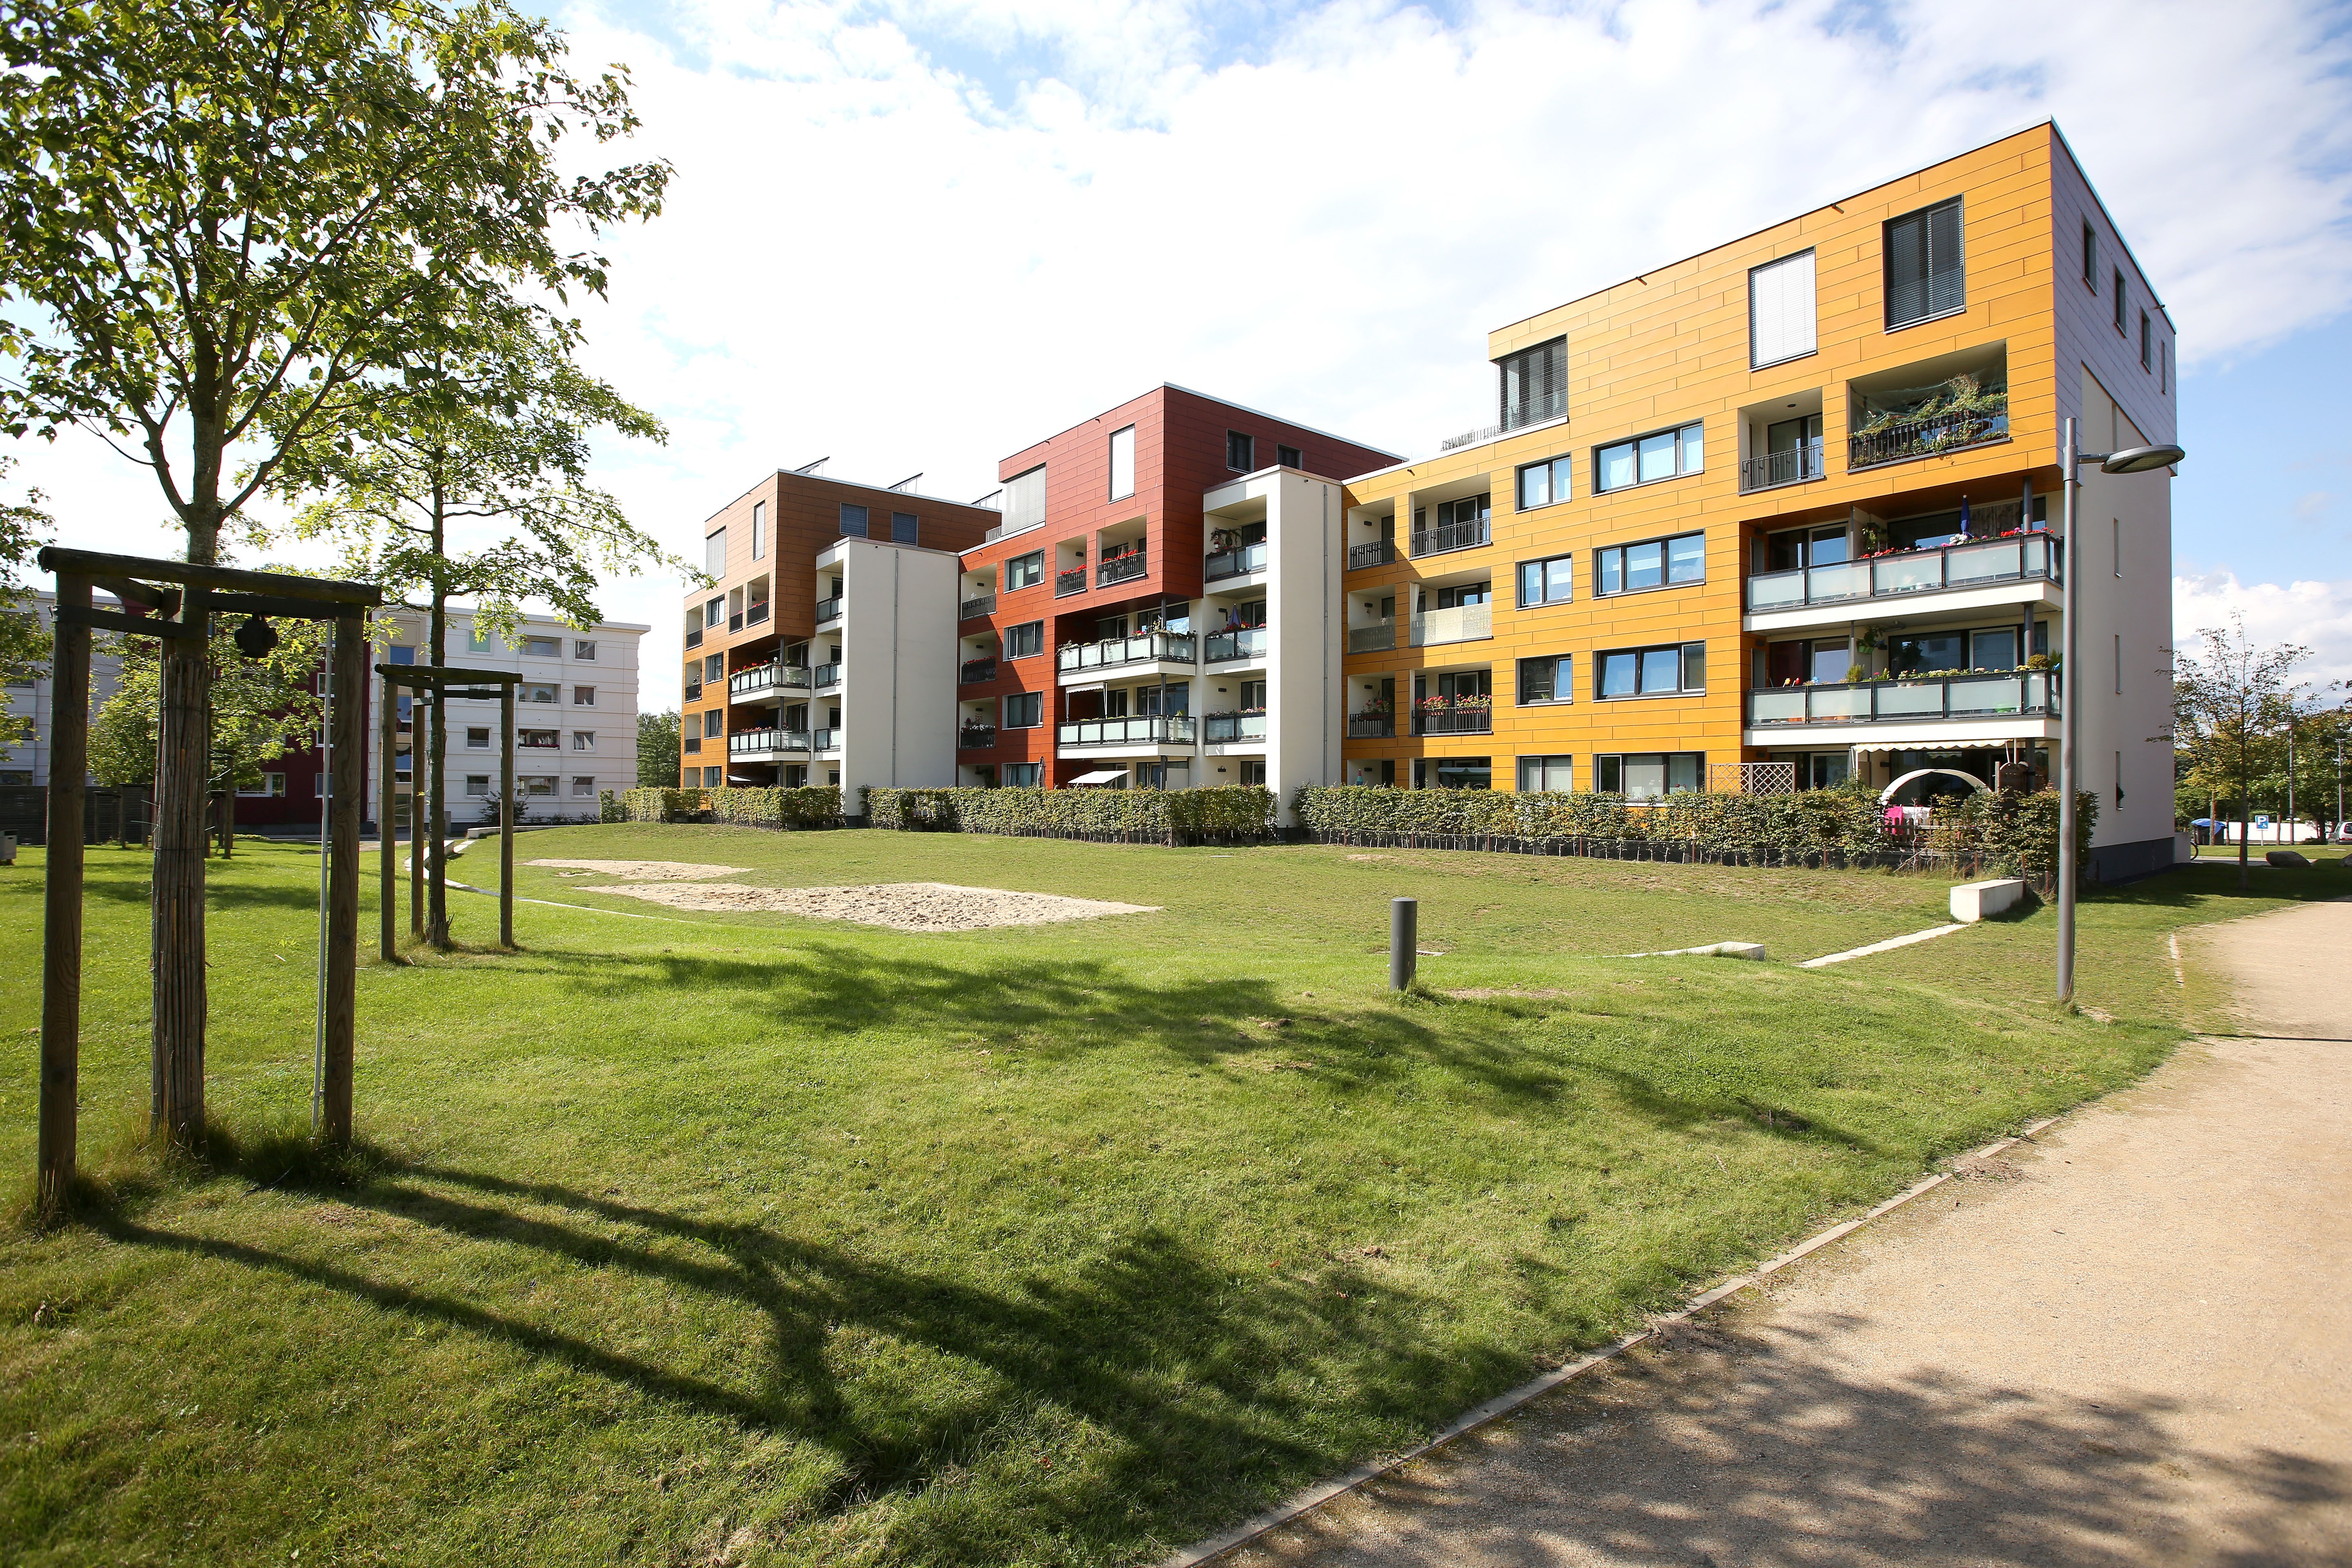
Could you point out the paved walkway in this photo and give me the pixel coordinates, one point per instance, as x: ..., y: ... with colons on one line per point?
x: 2127, y: 1343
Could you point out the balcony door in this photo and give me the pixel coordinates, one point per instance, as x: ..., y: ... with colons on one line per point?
x: 1792, y: 547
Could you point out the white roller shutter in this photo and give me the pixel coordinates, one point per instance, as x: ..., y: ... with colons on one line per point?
x: 1780, y: 309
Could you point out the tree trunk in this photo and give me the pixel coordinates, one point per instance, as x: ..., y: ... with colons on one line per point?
x: 2245, y: 824
x: 437, y: 746
x: 176, y: 903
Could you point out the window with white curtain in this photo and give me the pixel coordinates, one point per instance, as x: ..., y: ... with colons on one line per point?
x: 714, y: 552
x: 759, y: 531
x: 1025, y: 499
x: 1780, y: 309
x: 1122, y: 463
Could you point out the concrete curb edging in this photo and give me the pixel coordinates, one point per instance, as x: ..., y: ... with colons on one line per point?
x: 1504, y: 1404
x: 1889, y: 945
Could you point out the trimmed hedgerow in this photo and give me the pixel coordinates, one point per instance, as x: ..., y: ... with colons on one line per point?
x: 609, y: 807
x: 663, y: 804
x: 1221, y: 814
x: 817, y: 805
x: 2014, y: 834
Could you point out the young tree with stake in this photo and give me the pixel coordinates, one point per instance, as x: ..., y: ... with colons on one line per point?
x: 2229, y: 709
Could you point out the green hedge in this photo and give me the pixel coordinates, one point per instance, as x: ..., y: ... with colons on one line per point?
x: 1222, y: 814
x: 662, y: 805
x: 609, y: 807
x: 2015, y: 834
x: 818, y: 805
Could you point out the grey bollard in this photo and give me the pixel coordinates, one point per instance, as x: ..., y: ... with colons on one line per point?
x: 1403, y: 943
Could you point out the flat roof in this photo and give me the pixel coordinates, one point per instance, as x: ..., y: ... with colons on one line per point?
x: 1222, y: 402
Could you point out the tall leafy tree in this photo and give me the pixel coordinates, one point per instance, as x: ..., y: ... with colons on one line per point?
x: 2229, y: 708
x: 221, y: 221
x: 658, y: 755
x: 468, y: 479
x: 24, y: 646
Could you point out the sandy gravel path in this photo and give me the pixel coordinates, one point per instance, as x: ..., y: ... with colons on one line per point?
x: 903, y: 906
x: 642, y: 870
x: 2127, y: 1344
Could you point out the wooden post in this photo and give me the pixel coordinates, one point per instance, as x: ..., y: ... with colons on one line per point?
x: 387, y: 852
x: 505, y: 814
x: 415, y: 827
x: 176, y: 903
x: 61, y: 901
x: 346, y: 784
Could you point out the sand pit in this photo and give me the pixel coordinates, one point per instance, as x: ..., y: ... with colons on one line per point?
x: 902, y: 906
x: 645, y: 870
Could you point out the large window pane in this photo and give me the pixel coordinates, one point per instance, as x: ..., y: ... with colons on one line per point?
x: 1122, y: 463
x: 1687, y: 558
x: 1658, y: 457
x: 1645, y: 776
x: 1694, y: 448
x: 1535, y: 485
x: 1645, y: 564
x: 1682, y: 771
x: 1617, y: 674
x: 1558, y: 572
x: 1661, y: 670
x: 1612, y: 572
x: 1617, y: 466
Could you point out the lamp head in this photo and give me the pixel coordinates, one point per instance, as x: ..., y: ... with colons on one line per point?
x: 2140, y: 459
x: 256, y: 637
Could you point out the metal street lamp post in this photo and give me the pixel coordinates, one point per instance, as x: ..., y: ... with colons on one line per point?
x: 2130, y: 460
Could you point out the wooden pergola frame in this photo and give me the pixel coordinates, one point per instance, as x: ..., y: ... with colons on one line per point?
x: 443, y: 682
x: 182, y: 597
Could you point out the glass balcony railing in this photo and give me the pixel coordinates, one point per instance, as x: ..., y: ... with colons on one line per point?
x: 983, y: 605
x: 828, y: 609
x: 1235, y: 562
x: 2024, y: 557
x: 825, y: 675
x: 2025, y: 693
x: 1462, y: 623
x: 1377, y: 554
x: 767, y: 678
x: 1445, y: 536
x: 755, y: 742
x: 1371, y: 640
x: 1794, y: 465
x: 1150, y: 648
x: 1144, y: 731
x: 1119, y: 569
x: 1235, y: 727
x: 1454, y: 721
x: 825, y: 740
x: 1248, y: 642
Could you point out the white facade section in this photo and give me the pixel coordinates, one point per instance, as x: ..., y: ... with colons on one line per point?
x: 897, y: 699
x: 28, y: 762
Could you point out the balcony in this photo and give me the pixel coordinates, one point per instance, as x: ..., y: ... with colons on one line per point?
x: 694, y: 636
x: 1902, y: 439
x: 1773, y: 470
x: 1224, y: 727
x: 1073, y: 581
x: 1150, y: 648
x: 1119, y: 569
x: 1537, y: 410
x: 756, y: 613
x: 1450, y: 720
x: 1237, y: 563
x: 693, y: 690
x: 735, y: 622
x: 1247, y: 642
x: 1371, y: 727
x: 1377, y: 554
x: 1373, y: 639
x: 824, y: 676
x: 2019, y: 694
x: 975, y: 671
x: 976, y: 738
x: 828, y: 609
x: 1463, y: 623
x: 973, y: 609
x: 827, y: 740
x: 1143, y: 731
x: 1448, y: 536
x: 755, y: 742
x: 767, y: 678
x: 2025, y: 557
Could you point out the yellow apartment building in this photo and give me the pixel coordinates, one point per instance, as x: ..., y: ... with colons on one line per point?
x: 1784, y: 512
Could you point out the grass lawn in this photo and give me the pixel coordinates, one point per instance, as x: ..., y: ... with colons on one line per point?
x: 750, y: 1238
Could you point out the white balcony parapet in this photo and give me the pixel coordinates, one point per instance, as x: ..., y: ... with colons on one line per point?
x: 1972, y: 564
x: 2017, y: 693
x: 1463, y: 623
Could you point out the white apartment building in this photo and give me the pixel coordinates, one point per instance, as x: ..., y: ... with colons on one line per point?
x: 575, y: 717
x: 28, y: 761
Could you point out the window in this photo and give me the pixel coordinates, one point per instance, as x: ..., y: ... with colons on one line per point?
x: 478, y: 641
x: 1025, y: 640
x: 1648, y: 776
x: 2116, y: 555
x: 1661, y: 455
x: 1552, y: 678
x: 2089, y: 256
x: 1545, y: 582
x: 1255, y: 773
x: 583, y: 697
x: 583, y: 783
x: 544, y: 784
x: 2163, y: 368
x: 1287, y: 457
x: 1653, y: 564
x: 2119, y: 299
x: 714, y: 668
x: 584, y: 650
x: 1546, y: 773
x: 272, y: 785
x: 540, y: 740
x: 1025, y: 499
x: 477, y: 784
x: 1453, y: 772
x: 1025, y: 570
x: 1024, y: 710
x: 1534, y: 385
x: 759, y: 531
x: 1545, y: 483
x: 1780, y: 311
x: 1241, y: 451
x: 904, y: 527
x: 531, y: 693
x: 712, y: 778
x: 583, y: 740
x: 1926, y: 275
x: 714, y: 612
x: 795, y: 776
x: 1021, y: 775
x: 1664, y: 671
x: 853, y: 521
x: 478, y: 740
x: 1122, y: 463
x: 2120, y: 664
x: 543, y: 647
x: 714, y: 721
x: 2147, y: 344
x: 714, y: 554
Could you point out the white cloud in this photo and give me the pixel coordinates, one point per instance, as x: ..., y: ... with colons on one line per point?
x: 2317, y: 615
x: 920, y: 233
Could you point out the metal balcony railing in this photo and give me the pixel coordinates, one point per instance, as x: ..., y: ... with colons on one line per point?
x: 1235, y: 562
x: 1119, y: 569
x: 1225, y: 727
x: 2024, y: 557
x: 694, y: 636
x: 1380, y: 552
x: 756, y: 613
x: 1461, y: 623
x: 1073, y: 581
x: 1797, y: 464
x: 1907, y: 438
x: 976, y: 670
x: 1519, y: 417
x: 1454, y: 721
x: 828, y: 609
x: 2026, y: 694
x: 825, y: 675
x: 770, y: 677
x: 1148, y: 648
x: 1248, y: 642
x: 976, y: 737
x: 735, y: 622
x: 1371, y: 640
x: 693, y: 690
x: 757, y: 742
x: 1448, y: 536
x: 1371, y: 727
x: 983, y: 605
x: 1126, y: 731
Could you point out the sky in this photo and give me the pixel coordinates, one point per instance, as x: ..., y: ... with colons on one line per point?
x: 915, y: 236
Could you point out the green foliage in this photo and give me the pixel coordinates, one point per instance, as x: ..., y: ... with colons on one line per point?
x: 817, y: 805
x: 24, y: 646
x: 261, y: 709
x: 657, y: 750
x: 1225, y: 813
x: 609, y: 807
x: 652, y: 804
